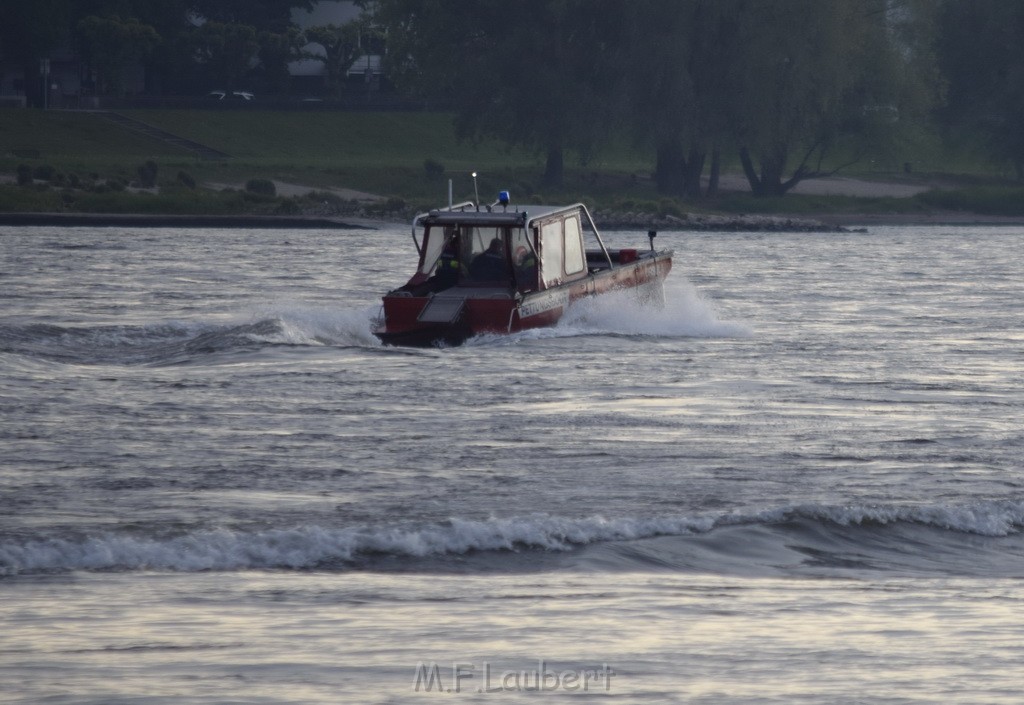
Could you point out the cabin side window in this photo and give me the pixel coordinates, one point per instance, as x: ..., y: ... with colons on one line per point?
x: 575, y: 258
x: 524, y: 260
x: 551, y: 251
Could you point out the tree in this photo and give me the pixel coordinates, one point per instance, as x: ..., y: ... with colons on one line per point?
x: 275, y: 52
x: 110, y: 44
x: 341, y: 46
x: 173, y: 63
x: 533, y: 73
x: 263, y: 15
x: 813, y: 72
x: 225, y: 51
x: 678, y: 59
x: 661, y: 88
x: 794, y: 81
x: 982, y: 54
x: 170, y: 65
x: 780, y: 81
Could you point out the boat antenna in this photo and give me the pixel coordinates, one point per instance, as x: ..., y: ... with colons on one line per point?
x: 450, y: 201
x: 652, y: 234
x: 476, y: 192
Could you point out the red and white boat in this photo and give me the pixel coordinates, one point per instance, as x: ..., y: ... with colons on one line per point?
x: 501, y: 269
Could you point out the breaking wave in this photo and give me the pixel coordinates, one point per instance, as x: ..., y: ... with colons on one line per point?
x: 894, y: 538
x: 176, y: 342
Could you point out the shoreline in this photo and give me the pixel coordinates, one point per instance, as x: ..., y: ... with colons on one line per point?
x: 152, y: 220
x: 935, y: 218
x: 839, y: 222
x: 827, y: 222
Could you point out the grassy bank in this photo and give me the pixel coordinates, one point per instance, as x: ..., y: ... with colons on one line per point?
x: 82, y: 162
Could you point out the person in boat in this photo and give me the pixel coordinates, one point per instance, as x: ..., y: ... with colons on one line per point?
x: 447, y: 272
x: 490, y: 264
x: 525, y: 263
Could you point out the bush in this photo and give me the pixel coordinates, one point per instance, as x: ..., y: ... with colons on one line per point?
x: 263, y: 187
x: 15, y: 199
x: 252, y: 197
x: 324, y: 197
x: 147, y: 174
x: 288, y: 206
x: 186, y: 180
x: 433, y: 169
x: 388, y: 207
x: 24, y: 175
x: 44, y: 172
x: 667, y: 207
x: 1005, y: 201
x: 182, y: 202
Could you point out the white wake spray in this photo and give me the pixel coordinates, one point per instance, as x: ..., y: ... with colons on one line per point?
x: 684, y: 314
x: 318, y: 325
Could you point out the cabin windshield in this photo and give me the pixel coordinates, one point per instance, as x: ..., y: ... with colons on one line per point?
x: 484, y: 252
x: 483, y: 255
x: 433, y: 244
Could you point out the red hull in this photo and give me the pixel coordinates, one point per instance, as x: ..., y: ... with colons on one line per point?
x: 501, y: 311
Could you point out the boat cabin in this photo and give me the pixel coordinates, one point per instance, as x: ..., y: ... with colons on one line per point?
x: 532, y: 248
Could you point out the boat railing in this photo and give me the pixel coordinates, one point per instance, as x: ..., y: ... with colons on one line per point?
x: 418, y: 216
x: 597, y: 234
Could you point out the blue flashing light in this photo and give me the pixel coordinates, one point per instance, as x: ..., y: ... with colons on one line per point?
x: 503, y: 198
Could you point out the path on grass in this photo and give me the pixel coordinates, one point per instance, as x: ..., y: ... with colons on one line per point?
x: 835, y: 186
x: 285, y: 188
x: 201, y: 150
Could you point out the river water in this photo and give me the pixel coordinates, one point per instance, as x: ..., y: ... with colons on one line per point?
x: 798, y: 482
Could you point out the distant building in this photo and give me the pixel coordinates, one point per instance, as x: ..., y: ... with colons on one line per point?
x: 61, y: 81
x: 309, y: 75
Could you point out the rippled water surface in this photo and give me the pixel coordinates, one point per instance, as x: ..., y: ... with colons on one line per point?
x: 799, y: 481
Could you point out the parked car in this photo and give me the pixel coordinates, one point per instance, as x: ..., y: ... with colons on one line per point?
x: 236, y: 96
